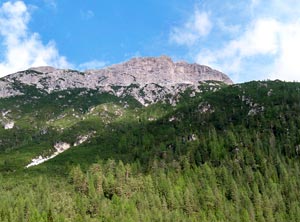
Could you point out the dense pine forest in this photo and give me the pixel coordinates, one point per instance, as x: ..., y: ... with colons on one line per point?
x: 229, y: 153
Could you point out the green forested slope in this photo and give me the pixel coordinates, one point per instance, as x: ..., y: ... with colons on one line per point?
x: 229, y: 155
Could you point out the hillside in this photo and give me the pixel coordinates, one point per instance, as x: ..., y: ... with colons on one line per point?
x: 211, y: 151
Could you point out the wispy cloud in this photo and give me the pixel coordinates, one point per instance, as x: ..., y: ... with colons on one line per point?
x: 260, y: 38
x: 87, y: 15
x: 51, y: 3
x: 227, y: 28
x: 22, y: 48
x: 197, y: 27
x: 265, y: 45
x: 94, y: 64
x: 254, y: 3
x: 265, y: 39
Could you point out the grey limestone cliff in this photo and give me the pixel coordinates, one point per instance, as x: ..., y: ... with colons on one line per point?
x: 145, y: 76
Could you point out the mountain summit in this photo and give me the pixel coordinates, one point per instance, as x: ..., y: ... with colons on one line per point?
x: 159, y: 70
x: 136, y: 77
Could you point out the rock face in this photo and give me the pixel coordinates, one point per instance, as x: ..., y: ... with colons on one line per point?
x: 9, y: 125
x: 138, y: 76
x: 60, y: 147
x: 162, y: 71
x: 83, y: 138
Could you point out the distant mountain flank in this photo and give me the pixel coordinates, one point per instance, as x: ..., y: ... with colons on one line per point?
x: 148, y: 79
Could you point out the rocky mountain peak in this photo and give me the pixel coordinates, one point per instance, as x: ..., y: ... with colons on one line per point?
x: 151, y: 60
x: 160, y: 70
x: 43, y: 69
x: 148, y: 74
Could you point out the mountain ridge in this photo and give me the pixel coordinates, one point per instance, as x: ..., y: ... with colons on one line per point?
x: 136, y: 77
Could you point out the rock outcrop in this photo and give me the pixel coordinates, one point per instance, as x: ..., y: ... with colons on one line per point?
x: 59, y: 147
x: 9, y: 125
x: 147, y: 79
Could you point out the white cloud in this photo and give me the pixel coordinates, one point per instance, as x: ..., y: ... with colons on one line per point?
x: 286, y: 64
x: 265, y: 43
x: 254, y: 3
x: 266, y: 37
x: 197, y: 26
x: 230, y: 29
x: 87, y: 15
x: 23, y: 49
x: 94, y: 64
x: 260, y: 38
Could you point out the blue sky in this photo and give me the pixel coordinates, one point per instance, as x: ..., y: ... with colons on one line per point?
x: 247, y: 39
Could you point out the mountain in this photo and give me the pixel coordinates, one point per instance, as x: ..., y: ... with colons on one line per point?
x: 141, y: 78
x: 46, y: 104
x: 111, y: 150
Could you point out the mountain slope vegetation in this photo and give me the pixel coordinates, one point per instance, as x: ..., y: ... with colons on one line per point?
x: 224, y: 153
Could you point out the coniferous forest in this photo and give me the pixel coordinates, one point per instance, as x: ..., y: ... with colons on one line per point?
x: 230, y: 154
